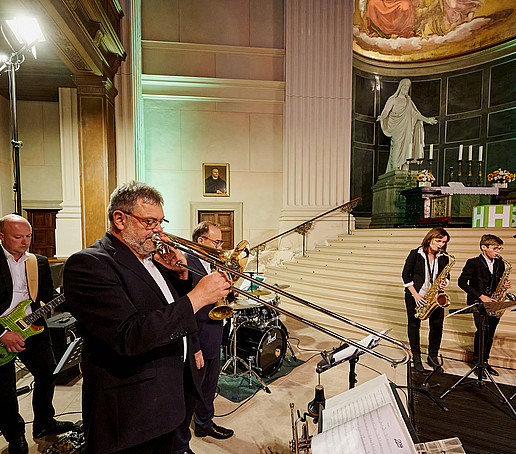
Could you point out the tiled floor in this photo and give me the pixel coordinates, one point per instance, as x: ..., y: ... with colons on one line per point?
x: 262, y: 425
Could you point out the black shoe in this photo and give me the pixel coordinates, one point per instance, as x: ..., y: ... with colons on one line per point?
x: 477, y: 373
x: 492, y: 371
x: 433, y: 362
x: 18, y: 445
x: 418, y: 365
x: 56, y: 428
x: 214, y: 431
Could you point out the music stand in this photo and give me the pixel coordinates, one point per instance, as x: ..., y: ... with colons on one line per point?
x: 71, y: 356
x: 481, y: 366
x: 350, y: 354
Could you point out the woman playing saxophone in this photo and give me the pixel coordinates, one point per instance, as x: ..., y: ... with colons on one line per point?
x: 422, y: 266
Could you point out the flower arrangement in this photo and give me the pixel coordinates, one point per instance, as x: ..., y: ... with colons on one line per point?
x: 425, y: 176
x: 501, y: 176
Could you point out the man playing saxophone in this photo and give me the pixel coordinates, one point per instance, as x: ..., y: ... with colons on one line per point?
x: 422, y: 267
x: 480, y: 278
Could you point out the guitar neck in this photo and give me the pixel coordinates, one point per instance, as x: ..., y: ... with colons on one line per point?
x: 31, y: 318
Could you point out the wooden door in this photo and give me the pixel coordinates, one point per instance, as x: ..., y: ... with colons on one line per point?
x: 226, y: 221
x: 43, y: 224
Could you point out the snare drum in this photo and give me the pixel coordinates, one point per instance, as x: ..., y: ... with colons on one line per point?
x: 246, y: 308
x: 264, y: 346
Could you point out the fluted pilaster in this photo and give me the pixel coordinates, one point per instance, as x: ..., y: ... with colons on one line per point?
x: 319, y: 47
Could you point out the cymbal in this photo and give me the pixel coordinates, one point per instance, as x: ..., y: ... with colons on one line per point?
x: 282, y: 286
x: 259, y: 292
x: 244, y: 304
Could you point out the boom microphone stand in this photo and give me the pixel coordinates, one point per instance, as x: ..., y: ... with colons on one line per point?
x: 481, y: 366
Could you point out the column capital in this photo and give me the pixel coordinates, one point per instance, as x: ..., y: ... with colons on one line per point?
x: 95, y: 85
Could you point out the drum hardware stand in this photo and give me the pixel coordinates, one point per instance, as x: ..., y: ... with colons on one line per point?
x: 249, y: 370
x: 481, y: 366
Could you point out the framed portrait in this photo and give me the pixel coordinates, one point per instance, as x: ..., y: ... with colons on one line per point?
x: 215, y: 180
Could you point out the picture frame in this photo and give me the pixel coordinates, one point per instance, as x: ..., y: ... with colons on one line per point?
x: 215, y: 179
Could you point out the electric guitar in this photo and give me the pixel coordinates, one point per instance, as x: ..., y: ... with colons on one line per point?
x: 17, y: 321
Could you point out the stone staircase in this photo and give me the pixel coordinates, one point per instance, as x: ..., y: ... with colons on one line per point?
x: 359, y: 276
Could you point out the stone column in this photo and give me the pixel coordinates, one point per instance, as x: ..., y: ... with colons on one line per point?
x: 68, y: 222
x: 97, y: 152
x: 319, y: 47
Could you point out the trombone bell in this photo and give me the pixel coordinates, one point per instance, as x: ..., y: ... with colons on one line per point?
x: 234, y: 260
x: 221, y: 310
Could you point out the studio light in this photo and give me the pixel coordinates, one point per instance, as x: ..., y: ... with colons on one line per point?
x: 28, y: 33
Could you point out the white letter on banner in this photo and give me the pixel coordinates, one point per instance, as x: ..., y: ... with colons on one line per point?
x: 505, y: 215
x: 478, y: 216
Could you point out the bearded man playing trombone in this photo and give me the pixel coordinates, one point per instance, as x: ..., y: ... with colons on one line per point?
x: 136, y: 312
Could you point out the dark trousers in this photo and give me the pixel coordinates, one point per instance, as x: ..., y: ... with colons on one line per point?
x: 160, y: 445
x: 492, y: 323
x: 39, y: 359
x: 209, y: 376
x: 204, y: 410
x: 435, y: 320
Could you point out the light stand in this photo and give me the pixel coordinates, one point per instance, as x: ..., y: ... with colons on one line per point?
x: 28, y: 33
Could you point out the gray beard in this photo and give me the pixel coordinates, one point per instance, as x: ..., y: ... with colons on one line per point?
x: 142, y: 248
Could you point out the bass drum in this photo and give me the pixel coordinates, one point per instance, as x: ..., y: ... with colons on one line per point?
x: 265, y: 346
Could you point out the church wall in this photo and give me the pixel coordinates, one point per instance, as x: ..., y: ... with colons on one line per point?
x: 213, y: 91
x: 40, y: 157
x: 475, y: 104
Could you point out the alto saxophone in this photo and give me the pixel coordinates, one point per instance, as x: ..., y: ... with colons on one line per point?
x: 435, y: 296
x: 501, y: 294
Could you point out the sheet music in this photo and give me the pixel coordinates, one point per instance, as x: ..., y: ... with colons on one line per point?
x: 377, y: 431
x: 365, y: 419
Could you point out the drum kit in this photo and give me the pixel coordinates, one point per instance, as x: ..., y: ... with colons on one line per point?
x: 257, y: 338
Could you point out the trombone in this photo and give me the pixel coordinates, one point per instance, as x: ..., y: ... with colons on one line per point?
x: 228, y: 261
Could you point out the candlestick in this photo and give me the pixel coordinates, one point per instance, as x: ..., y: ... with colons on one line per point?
x: 480, y: 150
x: 460, y: 152
x: 431, y: 154
x: 470, y: 153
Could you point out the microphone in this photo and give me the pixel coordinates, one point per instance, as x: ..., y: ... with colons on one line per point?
x: 314, y: 407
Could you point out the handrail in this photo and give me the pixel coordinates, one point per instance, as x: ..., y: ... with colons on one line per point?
x: 305, y: 226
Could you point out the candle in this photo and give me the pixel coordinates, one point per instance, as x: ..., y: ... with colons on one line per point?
x: 480, y: 149
x: 421, y: 155
x: 431, y: 154
x: 409, y: 152
x: 460, y: 152
x: 470, y: 153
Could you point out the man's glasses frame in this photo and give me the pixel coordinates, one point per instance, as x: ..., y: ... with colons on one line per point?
x: 148, y: 223
x: 217, y: 243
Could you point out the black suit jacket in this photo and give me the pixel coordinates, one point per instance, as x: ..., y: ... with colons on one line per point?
x: 477, y: 280
x: 209, y: 337
x: 133, y: 366
x: 415, y: 266
x: 45, y: 285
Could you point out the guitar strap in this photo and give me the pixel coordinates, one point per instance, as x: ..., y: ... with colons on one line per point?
x: 31, y: 271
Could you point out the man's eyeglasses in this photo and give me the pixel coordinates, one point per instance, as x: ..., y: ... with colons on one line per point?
x: 148, y: 223
x: 497, y: 248
x: 217, y: 243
